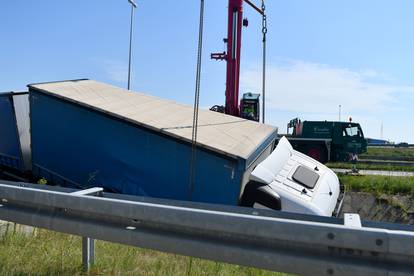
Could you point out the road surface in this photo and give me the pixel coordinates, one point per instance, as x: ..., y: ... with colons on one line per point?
x: 376, y: 172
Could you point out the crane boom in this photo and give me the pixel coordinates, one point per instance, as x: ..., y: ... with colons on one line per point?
x: 232, y: 57
x: 234, y: 33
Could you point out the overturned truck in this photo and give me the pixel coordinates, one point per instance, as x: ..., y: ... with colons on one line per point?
x: 87, y: 134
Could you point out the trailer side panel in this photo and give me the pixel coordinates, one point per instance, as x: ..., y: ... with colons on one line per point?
x: 85, y: 148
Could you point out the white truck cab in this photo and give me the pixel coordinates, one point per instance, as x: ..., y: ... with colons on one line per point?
x: 299, y: 183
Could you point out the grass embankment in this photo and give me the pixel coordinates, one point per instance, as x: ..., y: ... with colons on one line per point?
x: 364, y: 166
x: 389, y: 153
x: 386, y: 155
x: 49, y: 253
x: 381, y: 154
x: 390, y: 185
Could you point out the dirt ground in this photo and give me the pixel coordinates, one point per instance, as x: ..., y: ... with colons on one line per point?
x: 385, y: 208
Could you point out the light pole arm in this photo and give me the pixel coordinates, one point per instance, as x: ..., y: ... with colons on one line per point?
x: 132, y: 3
x: 259, y: 10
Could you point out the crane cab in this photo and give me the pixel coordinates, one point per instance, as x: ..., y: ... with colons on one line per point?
x: 250, y: 106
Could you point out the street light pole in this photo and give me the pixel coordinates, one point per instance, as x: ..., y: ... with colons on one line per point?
x: 133, y: 6
x: 340, y: 106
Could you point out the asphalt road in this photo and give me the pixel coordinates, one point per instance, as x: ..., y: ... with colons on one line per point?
x: 376, y: 172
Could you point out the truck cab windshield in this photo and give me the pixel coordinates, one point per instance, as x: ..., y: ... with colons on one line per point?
x: 352, y: 131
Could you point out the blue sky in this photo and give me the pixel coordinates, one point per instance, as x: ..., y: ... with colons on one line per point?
x: 321, y: 54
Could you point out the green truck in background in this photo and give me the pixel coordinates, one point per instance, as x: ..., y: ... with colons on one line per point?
x: 327, y: 140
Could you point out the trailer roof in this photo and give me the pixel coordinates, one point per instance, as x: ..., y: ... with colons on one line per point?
x: 218, y: 132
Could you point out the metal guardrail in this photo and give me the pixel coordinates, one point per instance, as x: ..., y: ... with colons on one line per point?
x: 258, y: 238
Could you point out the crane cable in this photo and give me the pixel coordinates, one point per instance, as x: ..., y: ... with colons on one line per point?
x: 264, y: 32
x: 196, y: 100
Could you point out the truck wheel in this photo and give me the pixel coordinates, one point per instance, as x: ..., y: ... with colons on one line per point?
x: 318, y: 154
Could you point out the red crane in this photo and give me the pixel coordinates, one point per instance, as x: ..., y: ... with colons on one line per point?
x: 232, y: 55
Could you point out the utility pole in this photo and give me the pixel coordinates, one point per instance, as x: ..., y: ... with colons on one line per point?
x: 133, y: 6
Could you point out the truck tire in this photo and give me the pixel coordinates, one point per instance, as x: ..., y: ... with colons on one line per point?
x: 317, y: 153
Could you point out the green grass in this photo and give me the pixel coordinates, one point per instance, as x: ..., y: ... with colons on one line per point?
x: 364, y: 166
x: 390, y: 185
x: 401, y: 153
x: 49, y: 253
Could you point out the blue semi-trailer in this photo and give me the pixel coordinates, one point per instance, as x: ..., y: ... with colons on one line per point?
x: 86, y: 133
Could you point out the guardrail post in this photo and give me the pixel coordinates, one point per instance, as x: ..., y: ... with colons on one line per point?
x: 88, y: 253
x: 88, y: 244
